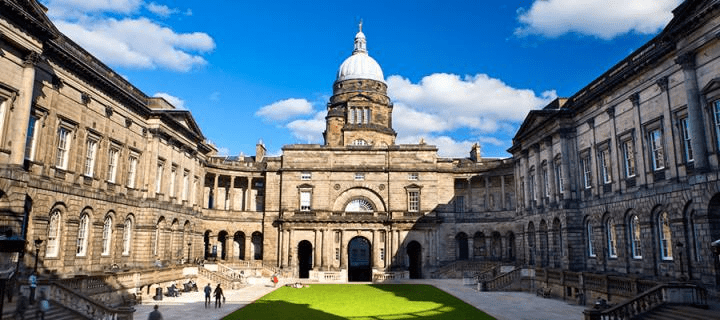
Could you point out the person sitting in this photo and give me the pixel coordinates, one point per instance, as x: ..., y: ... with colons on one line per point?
x: 173, y: 291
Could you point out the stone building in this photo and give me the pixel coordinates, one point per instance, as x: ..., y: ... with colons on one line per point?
x: 620, y: 178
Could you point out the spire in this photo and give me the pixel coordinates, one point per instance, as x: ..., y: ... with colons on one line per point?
x: 360, y: 43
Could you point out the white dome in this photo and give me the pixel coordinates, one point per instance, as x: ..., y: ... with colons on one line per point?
x: 360, y: 65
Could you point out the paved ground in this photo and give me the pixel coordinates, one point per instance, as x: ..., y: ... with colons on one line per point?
x: 501, y: 305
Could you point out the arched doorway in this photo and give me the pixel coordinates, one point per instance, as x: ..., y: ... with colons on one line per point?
x: 304, y: 251
x: 414, y: 252
x: 359, y: 268
x: 222, y: 245
x: 239, y: 245
x: 257, y: 245
x: 462, y: 245
x: 208, y: 245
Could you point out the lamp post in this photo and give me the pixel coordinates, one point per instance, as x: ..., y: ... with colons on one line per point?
x: 189, y: 244
x: 38, y: 242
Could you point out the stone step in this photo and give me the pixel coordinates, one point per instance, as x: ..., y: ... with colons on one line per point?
x: 56, y: 312
x: 680, y: 312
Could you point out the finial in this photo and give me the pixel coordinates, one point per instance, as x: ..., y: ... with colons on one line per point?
x: 360, y: 26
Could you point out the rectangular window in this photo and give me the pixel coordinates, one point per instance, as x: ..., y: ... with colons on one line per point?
x: 687, y: 147
x: 132, y: 171
x: 532, y: 186
x: 31, y: 139
x: 629, y: 158
x: 591, y: 248
x: 413, y: 201
x: 612, y: 240
x: 546, y: 182
x: 359, y: 176
x: 351, y: 116
x: 306, y: 175
x: 173, y: 176
x: 3, y: 108
x: 186, y: 185
x: 112, y: 164
x: 459, y: 204
x: 657, y: 155
x: 604, y: 158
x: 305, y: 201
x: 413, y: 176
x: 63, y: 148
x: 106, y: 237
x: 586, y: 171
x: 127, y: 236
x: 90, y: 158
x: 158, y: 176
x: 558, y: 177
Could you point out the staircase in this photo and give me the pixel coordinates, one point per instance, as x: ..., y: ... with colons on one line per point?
x: 56, y: 312
x: 679, y: 312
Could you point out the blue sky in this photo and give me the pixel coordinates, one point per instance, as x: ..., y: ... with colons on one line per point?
x: 459, y: 72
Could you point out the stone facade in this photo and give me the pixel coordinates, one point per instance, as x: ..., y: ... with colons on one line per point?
x: 109, y: 178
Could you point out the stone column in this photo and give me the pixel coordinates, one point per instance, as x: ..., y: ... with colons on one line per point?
x: 291, y: 249
x: 526, y: 174
x: 375, y: 248
x: 323, y: 249
x: 20, y: 115
x: 553, y: 192
x: 231, y: 194
x: 318, y: 251
x: 248, y: 195
x: 471, y: 247
x: 565, y: 164
x: 502, y: 192
x: 343, y: 256
x: 487, y: 194
x: 695, y: 115
x: 215, y: 192
x: 248, y: 244
x: 388, y: 250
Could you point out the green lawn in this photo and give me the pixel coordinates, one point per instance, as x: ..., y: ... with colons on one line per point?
x: 359, y: 301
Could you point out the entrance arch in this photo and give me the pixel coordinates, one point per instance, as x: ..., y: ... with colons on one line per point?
x: 359, y: 254
x: 414, y: 252
x: 304, y: 259
x: 462, y: 246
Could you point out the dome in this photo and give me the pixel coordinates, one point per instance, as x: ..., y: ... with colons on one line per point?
x: 360, y: 65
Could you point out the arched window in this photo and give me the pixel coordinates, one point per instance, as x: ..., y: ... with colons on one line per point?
x: 635, y: 243
x: 591, y: 249
x: 82, y: 237
x: 127, y: 236
x: 107, y: 236
x: 611, y: 238
x: 665, y: 236
x: 359, y: 205
x: 53, y: 240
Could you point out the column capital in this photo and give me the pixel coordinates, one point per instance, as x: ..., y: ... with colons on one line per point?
x: 31, y: 59
x: 662, y: 83
x: 686, y: 60
x: 635, y: 99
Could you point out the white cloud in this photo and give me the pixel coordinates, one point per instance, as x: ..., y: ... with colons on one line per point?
x: 285, y: 109
x: 604, y: 19
x: 138, y: 43
x: 175, y: 101
x: 309, y: 130
x: 445, y: 102
x: 161, y: 9
x: 447, y: 146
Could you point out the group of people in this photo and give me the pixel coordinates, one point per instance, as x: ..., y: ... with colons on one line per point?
x: 23, y: 302
x: 218, y: 293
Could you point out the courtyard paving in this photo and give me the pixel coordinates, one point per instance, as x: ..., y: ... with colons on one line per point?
x: 501, y: 305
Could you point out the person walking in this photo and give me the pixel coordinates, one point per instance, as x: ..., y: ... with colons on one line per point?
x: 33, y: 285
x: 21, y: 307
x: 44, y: 306
x: 218, y: 295
x: 208, y: 292
x: 155, y: 314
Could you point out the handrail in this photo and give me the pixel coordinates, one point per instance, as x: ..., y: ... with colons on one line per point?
x: 84, y: 305
x: 649, y: 300
x: 500, y: 281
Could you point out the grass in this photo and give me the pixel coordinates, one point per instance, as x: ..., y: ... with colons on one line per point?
x: 358, y: 301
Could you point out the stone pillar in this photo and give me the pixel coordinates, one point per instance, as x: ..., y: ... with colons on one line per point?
x: 20, y: 115
x: 343, y: 255
x: 487, y: 194
x: 388, y: 250
x: 375, y: 248
x: 248, y: 195
x: 248, y: 245
x: 526, y: 181
x: 695, y: 115
x: 553, y: 192
x: 565, y: 164
x: 215, y: 192
x: 318, y: 252
x: 291, y: 249
x: 502, y: 193
x: 471, y: 247
x: 323, y: 249
x: 231, y: 194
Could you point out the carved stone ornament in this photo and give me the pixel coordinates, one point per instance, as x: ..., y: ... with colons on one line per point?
x: 31, y: 59
x: 57, y: 83
x: 635, y: 99
x: 686, y: 60
x: 128, y: 122
x: 109, y: 111
x: 611, y: 112
x: 336, y: 186
x: 381, y: 187
x: 662, y: 83
x: 85, y: 98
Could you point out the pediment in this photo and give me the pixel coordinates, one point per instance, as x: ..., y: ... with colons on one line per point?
x: 713, y: 85
x: 185, y: 119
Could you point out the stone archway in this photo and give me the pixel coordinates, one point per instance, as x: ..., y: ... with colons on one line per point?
x: 461, y: 241
x: 359, y: 257
x: 414, y: 252
x: 304, y: 252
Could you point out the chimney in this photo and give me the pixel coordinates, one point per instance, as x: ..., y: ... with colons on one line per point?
x: 475, y: 153
x: 260, y: 151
